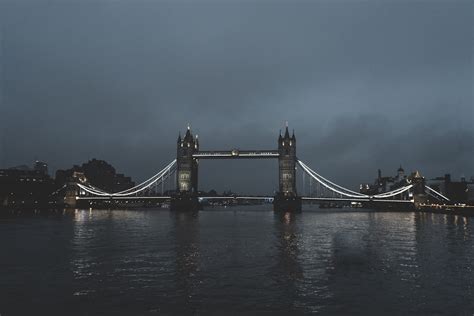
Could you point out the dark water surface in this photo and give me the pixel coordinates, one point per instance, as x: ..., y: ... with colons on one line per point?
x: 240, y: 260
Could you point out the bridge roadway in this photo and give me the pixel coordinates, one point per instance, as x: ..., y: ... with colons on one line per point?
x: 236, y: 153
x: 269, y: 198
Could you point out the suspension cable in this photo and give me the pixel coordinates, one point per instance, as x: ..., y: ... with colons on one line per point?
x: 338, y: 186
x: 136, y: 189
x: 313, y: 174
x: 437, y: 193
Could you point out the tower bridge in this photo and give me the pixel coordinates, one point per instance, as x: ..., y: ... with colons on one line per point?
x: 183, y: 171
x: 188, y: 155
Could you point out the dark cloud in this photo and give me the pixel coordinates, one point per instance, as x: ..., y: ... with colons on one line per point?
x: 365, y: 84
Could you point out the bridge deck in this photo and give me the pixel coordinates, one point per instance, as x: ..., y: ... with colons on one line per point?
x: 236, y: 153
x: 321, y: 199
x: 123, y: 198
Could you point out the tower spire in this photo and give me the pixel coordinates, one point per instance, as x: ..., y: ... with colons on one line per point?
x: 188, y: 137
x: 287, y: 134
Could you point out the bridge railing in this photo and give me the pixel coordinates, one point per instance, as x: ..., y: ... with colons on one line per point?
x: 237, y: 154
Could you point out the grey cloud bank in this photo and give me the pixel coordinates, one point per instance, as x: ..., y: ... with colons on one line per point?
x: 365, y: 85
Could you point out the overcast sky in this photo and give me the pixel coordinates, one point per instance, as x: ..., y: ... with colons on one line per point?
x: 365, y: 84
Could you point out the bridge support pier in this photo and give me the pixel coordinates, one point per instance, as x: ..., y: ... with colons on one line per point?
x: 70, y: 196
x: 185, y: 203
x: 282, y: 203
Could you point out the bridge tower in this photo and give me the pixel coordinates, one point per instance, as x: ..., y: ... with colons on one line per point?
x: 185, y: 197
x: 71, y: 192
x: 70, y: 195
x: 419, y: 195
x: 287, y: 198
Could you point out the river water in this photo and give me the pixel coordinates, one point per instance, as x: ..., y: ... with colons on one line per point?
x: 236, y: 260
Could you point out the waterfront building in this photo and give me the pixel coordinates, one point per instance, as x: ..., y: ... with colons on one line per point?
x: 384, y: 183
x: 457, y: 191
x: 23, y: 186
x: 99, y: 173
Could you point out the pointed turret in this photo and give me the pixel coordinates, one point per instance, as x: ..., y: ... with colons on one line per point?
x: 179, y: 138
x: 287, y: 134
x: 400, y: 173
x: 418, y: 182
x: 188, y: 137
x: 196, y: 142
x: 293, y: 138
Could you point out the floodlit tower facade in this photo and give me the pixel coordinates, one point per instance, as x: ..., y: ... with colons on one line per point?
x: 187, y: 166
x: 287, y: 199
x: 287, y: 164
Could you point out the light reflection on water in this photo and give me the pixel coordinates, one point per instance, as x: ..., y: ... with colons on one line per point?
x: 236, y: 259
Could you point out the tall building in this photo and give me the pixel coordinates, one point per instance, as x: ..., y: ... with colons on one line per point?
x: 25, y: 187
x: 99, y: 173
x: 287, y: 163
x: 385, y: 183
x: 187, y: 166
x: 287, y: 199
x: 456, y: 191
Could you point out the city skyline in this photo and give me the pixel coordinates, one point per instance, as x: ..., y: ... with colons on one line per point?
x: 225, y: 165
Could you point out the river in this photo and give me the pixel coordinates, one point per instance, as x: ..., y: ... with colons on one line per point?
x: 243, y: 259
